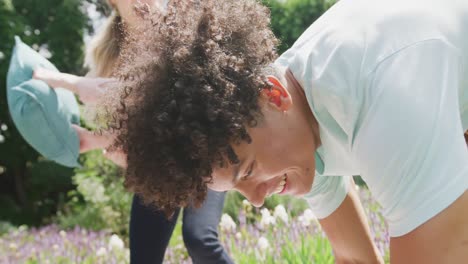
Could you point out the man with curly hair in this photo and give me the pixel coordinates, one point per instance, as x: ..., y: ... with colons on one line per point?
x: 372, y: 88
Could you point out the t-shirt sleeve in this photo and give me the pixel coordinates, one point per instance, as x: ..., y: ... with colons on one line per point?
x: 410, y: 146
x: 327, y: 194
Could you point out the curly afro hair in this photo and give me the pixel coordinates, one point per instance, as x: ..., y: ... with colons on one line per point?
x: 191, y: 80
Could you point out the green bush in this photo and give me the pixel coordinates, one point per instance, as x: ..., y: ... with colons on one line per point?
x: 290, y: 18
x: 100, y: 201
x: 6, y: 227
x: 31, y: 188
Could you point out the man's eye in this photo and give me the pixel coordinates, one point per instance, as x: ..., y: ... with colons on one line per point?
x: 249, y: 172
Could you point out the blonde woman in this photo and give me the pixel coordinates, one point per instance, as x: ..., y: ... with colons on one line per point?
x: 150, y: 230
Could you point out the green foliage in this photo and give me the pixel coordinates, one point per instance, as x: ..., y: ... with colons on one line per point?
x: 100, y: 200
x: 30, y: 187
x: 290, y: 18
x: 48, y: 181
x: 5, y: 227
x: 313, y: 248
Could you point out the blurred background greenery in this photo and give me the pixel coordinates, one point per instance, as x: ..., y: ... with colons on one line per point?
x: 34, y: 191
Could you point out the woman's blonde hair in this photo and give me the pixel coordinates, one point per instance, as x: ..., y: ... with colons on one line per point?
x: 104, y: 50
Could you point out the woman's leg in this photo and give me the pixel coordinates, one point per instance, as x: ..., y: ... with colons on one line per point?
x: 200, y: 231
x: 150, y: 232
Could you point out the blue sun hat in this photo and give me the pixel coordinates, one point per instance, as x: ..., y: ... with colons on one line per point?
x: 43, y: 115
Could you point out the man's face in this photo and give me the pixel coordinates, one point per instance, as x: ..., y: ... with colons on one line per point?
x: 280, y: 159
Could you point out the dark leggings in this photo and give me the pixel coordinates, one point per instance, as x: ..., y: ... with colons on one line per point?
x: 150, y: 232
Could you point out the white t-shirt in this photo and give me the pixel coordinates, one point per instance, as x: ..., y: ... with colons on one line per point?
x: 388, y: 84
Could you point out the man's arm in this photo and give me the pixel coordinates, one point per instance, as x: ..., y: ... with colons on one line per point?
x: 349, y: 234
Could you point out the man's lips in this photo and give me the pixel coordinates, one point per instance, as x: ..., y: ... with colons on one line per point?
x: 281, y: 187
x: 285, y: 188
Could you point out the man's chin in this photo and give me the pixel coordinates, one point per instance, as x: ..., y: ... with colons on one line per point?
x: 303, y: 191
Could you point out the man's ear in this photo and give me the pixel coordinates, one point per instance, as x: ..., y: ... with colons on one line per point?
x: 278, y: 95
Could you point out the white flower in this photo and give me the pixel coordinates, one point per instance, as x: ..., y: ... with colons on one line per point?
x: 92, y: 189
x: 63, y: 233
x: 2, y: 55
x: 13, y: 246
x: 263, y: 243
x: 2, y: 138
x: 280, y: 212
x: 109, y: 213
x: 302, y: 221
x: 44, y: 51
x: 226, y: 223
x: 22, y: 228
x: 267, y: 218
x: 115, y: 242
x: 238, y: 235
x: 102, y: 251
x: 4, y: 127
x: 246, y: 205
x: 55, y: 247
x: 309, y: 214
x: 307, y: 217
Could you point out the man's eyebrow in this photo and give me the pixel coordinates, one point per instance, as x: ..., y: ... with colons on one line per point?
x: 235, y: 170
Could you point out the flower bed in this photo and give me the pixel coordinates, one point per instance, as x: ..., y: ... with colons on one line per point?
x: 257, y: 236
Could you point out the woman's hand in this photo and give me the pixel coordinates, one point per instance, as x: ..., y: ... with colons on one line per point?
x: 118, y: 157
x: 90, y: 141
x: 89, y: 90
